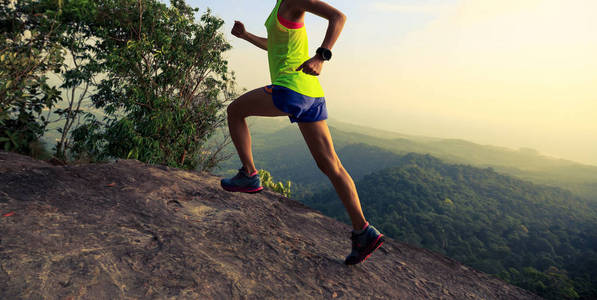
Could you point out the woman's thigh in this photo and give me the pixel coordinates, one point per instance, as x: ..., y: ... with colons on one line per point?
x: 255, y: 103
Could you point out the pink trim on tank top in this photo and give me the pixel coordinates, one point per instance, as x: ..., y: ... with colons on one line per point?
x: 289, y: 24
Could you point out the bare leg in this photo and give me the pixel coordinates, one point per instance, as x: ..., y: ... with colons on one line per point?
x: 318, y: 138
x: 254, y: 103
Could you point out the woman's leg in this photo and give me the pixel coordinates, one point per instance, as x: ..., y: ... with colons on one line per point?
x: 318, y: 138
x: 254, y: 103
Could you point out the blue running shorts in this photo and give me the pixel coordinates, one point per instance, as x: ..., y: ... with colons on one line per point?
x: 300, y: 107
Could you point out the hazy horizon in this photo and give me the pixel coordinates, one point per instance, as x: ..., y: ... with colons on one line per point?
x: 513, y: 148
x: 508, y: 73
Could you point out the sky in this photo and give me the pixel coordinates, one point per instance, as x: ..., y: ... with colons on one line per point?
x: 508, y: 73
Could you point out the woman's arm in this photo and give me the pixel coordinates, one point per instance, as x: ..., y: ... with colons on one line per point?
x: 239, y: 31
x: 336, y: 19
x: 336, y: 22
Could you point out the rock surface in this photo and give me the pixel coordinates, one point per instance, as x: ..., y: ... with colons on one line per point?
x: 128, y: 230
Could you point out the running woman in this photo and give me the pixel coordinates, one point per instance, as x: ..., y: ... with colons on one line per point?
x: 295, y: 92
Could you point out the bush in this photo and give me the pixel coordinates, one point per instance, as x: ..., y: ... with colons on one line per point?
x: 268, y: 182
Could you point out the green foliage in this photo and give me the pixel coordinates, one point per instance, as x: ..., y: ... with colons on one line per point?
x: 551, y: 284
x: 268, y: 182
x: 28, y: 49
x: 79, y: 69
x: 541, y: 238
x: 90, y: 140
x: 165, y: 85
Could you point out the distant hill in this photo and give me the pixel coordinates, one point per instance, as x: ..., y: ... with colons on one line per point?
x: 278, y: 146
x: 272, y: 137
x: 378, y: 133
x: 492, y: 222
x: 128, y: 230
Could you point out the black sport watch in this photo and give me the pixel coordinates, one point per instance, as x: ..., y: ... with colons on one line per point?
x: 325, y: 54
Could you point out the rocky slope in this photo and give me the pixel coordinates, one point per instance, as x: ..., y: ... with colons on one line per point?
x: 128, y: 230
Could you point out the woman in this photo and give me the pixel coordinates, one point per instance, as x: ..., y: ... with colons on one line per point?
x: 295, y: 92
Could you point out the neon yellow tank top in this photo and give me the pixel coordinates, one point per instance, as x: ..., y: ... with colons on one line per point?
x: 287, y: 49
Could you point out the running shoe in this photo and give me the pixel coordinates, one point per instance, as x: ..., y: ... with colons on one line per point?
x: 243, y: 182
x: 364, y: 244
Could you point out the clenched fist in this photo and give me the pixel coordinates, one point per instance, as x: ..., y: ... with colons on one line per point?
x: 239, y: 29
x: 312, y: 66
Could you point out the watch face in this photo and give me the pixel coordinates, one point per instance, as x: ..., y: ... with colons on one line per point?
x: 325, y: 54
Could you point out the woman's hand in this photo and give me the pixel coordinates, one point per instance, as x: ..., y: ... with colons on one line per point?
x: 312, y: 66
x: 239, y: 30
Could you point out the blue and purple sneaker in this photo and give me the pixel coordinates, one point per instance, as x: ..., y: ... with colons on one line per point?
x: 243, y: 182
x: 363, y: 244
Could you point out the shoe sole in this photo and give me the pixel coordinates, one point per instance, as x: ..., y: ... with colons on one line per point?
x: 380, y: 240
x: 242, y: 190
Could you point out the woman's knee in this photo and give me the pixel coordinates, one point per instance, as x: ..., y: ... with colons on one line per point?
x: 330, y: 166
x: 233, y: 110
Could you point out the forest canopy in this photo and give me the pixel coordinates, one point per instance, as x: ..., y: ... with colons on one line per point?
x: 543, y: 239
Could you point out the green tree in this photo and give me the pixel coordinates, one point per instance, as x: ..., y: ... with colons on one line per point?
x: 165, y: 85
x: 28, y: 50
x: 79, y: 68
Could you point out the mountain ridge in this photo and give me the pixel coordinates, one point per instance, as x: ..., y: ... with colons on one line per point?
x: 272, y: 137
